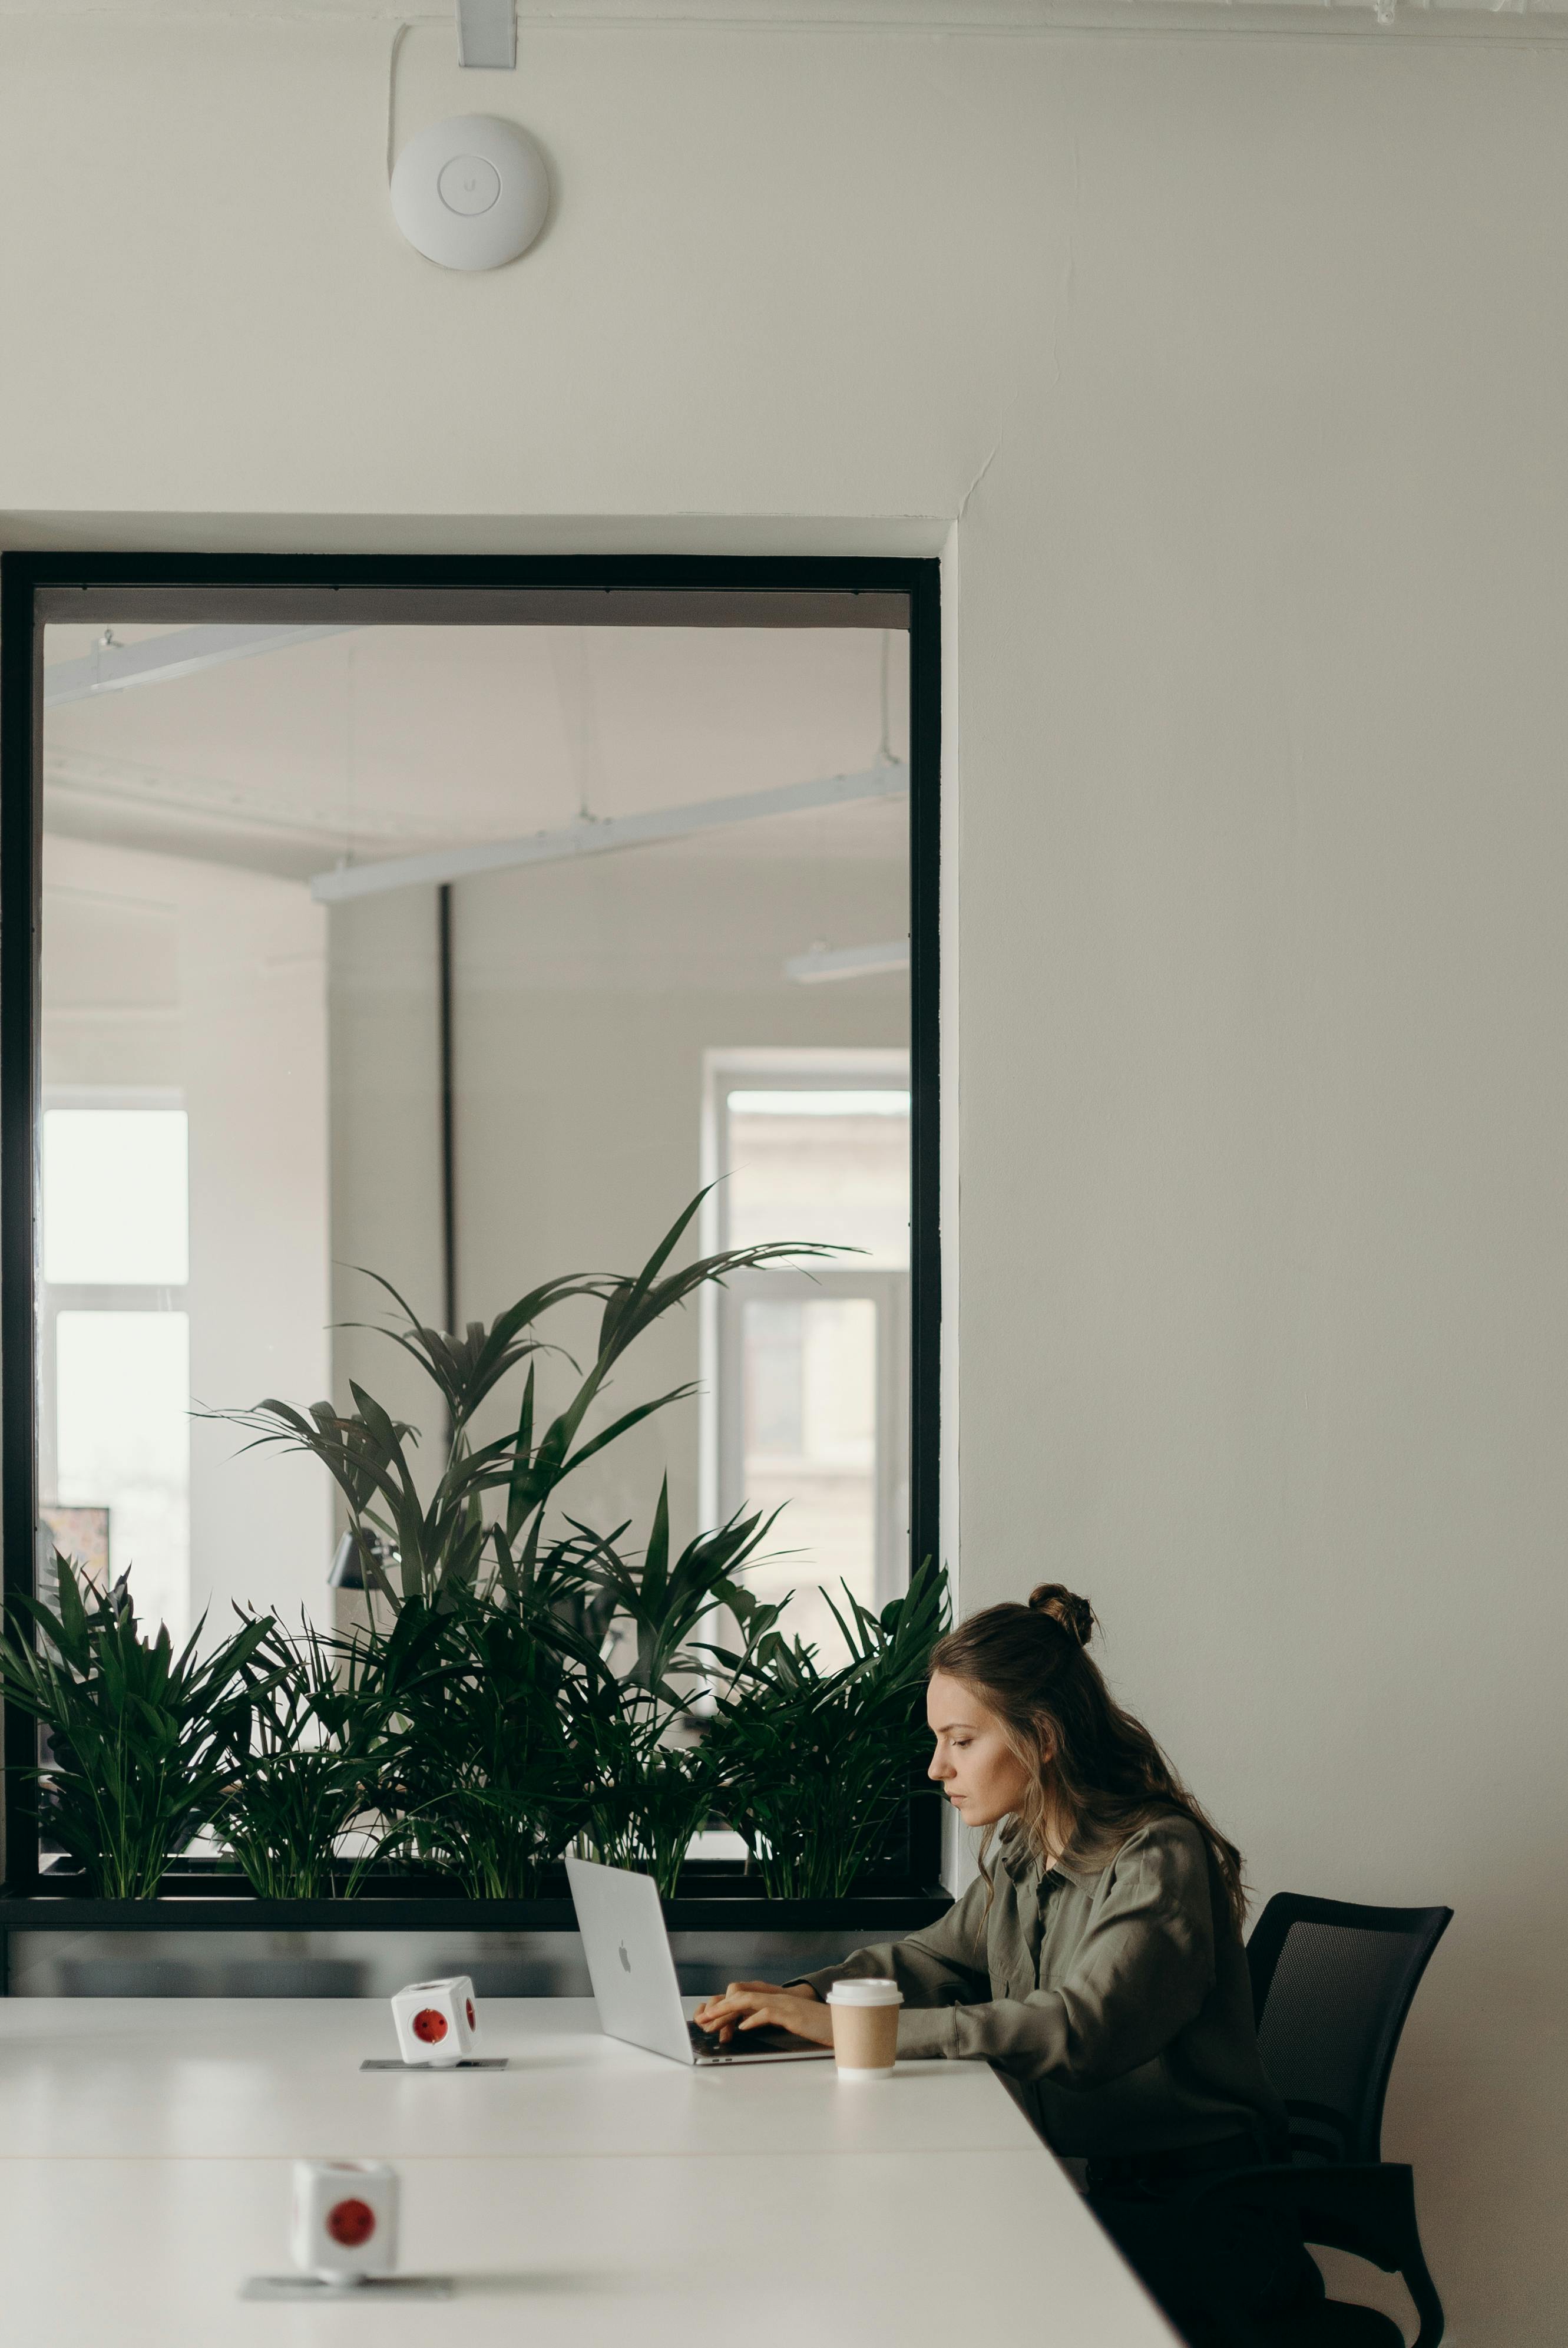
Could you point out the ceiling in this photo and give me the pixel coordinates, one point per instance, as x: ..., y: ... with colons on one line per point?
x: 383, y: 741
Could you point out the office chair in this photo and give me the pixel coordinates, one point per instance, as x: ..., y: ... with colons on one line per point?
x: 1331, y: 1986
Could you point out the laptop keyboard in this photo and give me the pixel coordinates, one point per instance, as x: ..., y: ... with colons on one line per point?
x: 768, y: 2040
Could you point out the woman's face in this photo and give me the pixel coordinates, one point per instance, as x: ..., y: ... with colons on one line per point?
x: 974, y: 1765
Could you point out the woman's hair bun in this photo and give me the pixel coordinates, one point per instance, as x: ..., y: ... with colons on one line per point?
x: 1064, y: 1606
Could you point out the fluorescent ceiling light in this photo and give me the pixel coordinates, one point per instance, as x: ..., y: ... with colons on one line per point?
x: 111, y: 667
x: 594, y: 836
x: 848, y: 962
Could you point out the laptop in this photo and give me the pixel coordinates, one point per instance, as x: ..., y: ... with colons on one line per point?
x: 633, y: 1976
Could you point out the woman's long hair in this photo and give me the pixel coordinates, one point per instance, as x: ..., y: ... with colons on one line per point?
x: 1095, y: 1774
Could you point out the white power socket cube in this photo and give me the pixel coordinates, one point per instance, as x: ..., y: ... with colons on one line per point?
x: 435, y: 2021
x: 344, y: 2222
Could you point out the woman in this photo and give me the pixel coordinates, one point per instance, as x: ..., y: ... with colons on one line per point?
x: 1097, y: 1961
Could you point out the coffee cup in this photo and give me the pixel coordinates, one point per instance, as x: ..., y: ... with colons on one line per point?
x: 865, y: 2027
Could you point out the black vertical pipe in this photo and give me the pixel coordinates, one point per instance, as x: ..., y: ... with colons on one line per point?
x: 448, y: 1117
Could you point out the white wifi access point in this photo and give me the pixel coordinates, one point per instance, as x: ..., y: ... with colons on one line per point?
x: 471, y: 192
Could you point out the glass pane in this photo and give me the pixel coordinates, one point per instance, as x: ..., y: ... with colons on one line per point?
x: 200, y: 939
x: 122, y: 1399
x: 240, y: 915
x: 114, y: 1197
x: 831, y: 1166
x: 809, y: 1439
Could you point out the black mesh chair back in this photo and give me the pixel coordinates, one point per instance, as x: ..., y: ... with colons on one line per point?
x: 1331, y: 1985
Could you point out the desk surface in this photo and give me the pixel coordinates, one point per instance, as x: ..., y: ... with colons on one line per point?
x: 591, y: 2193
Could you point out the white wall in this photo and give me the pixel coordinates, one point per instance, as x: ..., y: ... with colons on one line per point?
x: 1237, y: 362
x: 239, y: 1031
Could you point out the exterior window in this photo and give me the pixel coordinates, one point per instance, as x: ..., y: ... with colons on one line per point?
x: 810, y: 1369
x: 115, y: 1189
x: 114, y: 1335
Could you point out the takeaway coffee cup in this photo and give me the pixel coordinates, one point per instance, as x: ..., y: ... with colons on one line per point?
x: 865, y: 2027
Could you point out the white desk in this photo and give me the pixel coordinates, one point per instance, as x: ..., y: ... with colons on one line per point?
x: 589, y: 2194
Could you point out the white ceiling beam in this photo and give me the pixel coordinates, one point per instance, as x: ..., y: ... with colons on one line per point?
x: 847, y: 962
x: 159, y: 660
x: 595, y: 836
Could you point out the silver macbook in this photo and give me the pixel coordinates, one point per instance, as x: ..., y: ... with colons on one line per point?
x: 633, y: 1975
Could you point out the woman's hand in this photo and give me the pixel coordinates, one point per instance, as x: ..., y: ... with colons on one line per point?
x: 747, y: 2005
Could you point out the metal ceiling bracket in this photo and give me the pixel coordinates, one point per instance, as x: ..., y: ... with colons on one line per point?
x: 112, y: 667
x: 487, y: 33
x: 824, y: 963
x: 596, y: 835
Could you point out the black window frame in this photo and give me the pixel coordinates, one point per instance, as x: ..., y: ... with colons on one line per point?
x: 24, y: 577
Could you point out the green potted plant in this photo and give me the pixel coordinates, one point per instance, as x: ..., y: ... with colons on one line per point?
x: 141, y: 1738
x: 519, y: 1738
x: 452, y: 1540
x: 482, y: 1776
x: 307, y: 1752
x: 816, y: 1764
x: 651, y: 1778
x: 517, y: 1688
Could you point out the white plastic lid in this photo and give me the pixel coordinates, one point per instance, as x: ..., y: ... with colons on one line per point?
x: 865, y: 1992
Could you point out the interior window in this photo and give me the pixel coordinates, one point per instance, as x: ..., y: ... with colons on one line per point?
x: 377, y: 945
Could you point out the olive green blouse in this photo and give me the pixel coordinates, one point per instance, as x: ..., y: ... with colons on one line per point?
x: 1114, y: 1992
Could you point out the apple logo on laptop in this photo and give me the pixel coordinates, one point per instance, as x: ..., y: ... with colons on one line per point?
x: 625, y: 1960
